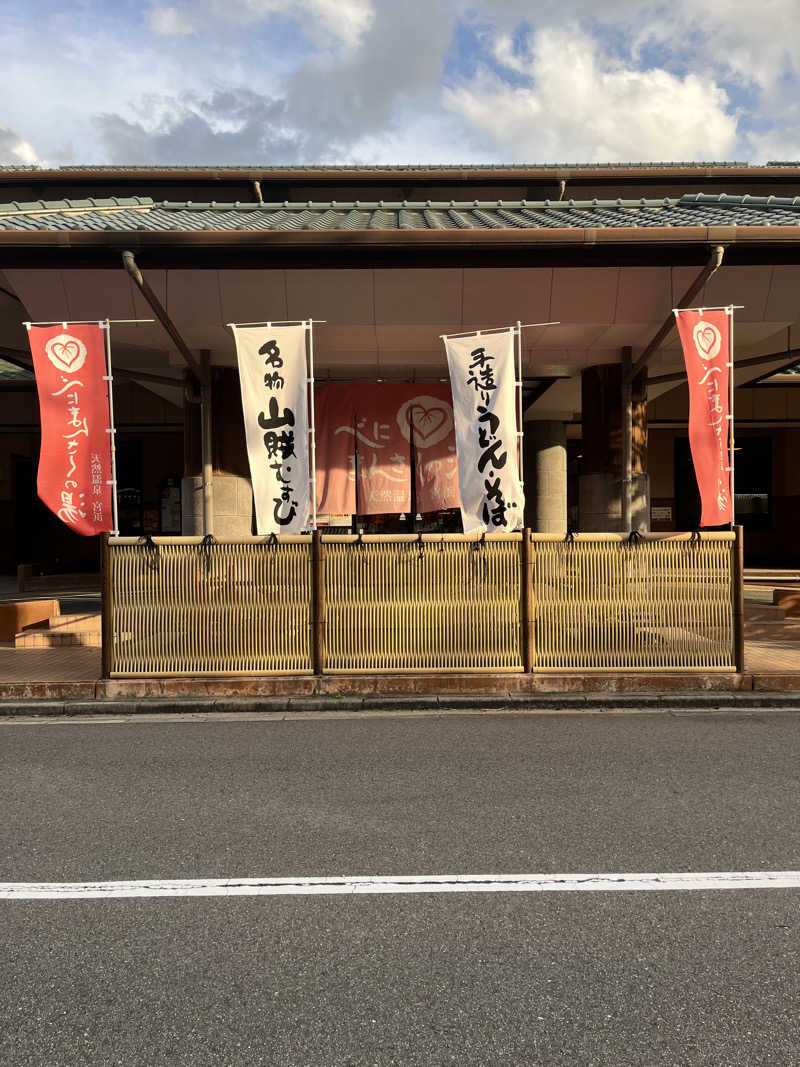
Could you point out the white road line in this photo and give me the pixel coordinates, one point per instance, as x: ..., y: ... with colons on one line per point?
x: 455, y: 883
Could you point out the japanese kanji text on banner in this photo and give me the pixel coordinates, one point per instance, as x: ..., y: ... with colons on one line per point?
x: 482, y: 379
x: 705, y: 337
x: 273, y: 377
x: 75, y: 467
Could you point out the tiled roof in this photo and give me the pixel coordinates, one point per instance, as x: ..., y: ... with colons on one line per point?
x: 126, y: 214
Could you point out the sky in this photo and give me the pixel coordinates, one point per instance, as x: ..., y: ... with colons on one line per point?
x: 276, y: 82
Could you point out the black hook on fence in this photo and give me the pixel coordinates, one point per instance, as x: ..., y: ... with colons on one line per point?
x: 205, y: 549
x: 441, y: 544
x: 479, y: 546
x: 420, y: 548
x: 152, y: 551
x: 271, y: 540
x: 634, y: 538
x: 696, y: 538
x: 359, y: 543
x: 569, y: 537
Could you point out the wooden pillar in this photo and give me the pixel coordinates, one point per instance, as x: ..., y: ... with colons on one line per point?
x: 106, y: 610
x: 317, y: 602
x: 738, y: 599
x: 527, y: 602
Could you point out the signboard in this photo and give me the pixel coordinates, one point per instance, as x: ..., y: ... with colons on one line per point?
x: 75, y: 465
x: 483, y: 382
x: 705, y: 337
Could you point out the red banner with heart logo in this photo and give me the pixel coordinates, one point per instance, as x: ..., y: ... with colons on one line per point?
x: 370, y: 429
x: 705, y: 337
x: 74, y: 478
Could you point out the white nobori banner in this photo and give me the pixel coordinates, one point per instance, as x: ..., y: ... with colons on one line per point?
x: 274, y: 380
x: 483, y: 383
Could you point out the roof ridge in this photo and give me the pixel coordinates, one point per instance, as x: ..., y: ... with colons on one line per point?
x: 89, y: 203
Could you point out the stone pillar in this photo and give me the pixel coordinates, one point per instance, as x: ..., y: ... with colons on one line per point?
x: 545, y: 467
x: 600, y: 484
x: 233, y: 495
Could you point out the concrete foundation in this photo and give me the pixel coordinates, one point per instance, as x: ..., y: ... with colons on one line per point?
x: 233, y: 506
x: 545, y: 467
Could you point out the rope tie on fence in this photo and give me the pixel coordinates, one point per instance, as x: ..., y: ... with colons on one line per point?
x: 151, y: 550
x: 420, y: 547
x: 696, y: 538
x: 569, y: 537
x: 634, y: 539
x: 271, y: 540
x: 205, y: 550
x: 479, y: 547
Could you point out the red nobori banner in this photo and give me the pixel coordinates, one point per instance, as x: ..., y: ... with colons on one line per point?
x: 369, y: 428
x: 75, y: 459
x: 705, y: 336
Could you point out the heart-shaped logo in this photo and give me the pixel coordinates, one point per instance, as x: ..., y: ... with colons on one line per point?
x: 66, y: 353
x: 430, y: 418
x: 707, y: 339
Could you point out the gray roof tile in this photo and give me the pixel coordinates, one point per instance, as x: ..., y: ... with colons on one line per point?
x: 130, y: 214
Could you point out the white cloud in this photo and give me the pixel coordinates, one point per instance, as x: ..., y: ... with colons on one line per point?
x: 582, y: 107
x: 170, y: 22
x: 14, y: 150
x: 341, y: 23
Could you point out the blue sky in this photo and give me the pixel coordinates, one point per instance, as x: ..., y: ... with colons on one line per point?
x: 349, y: 81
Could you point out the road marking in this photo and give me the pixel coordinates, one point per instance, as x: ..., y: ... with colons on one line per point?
x: 455, y: 883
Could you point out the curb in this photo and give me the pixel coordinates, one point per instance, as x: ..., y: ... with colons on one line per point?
x: 422, y: 705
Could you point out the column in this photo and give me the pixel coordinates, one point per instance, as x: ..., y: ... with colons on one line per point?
x: 545, y: 466
x: 600, y: 485
x: 233, y: 495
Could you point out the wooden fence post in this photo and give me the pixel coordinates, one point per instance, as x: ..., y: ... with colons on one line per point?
x: 317, y: 602
x: 106, y: 620
x: 527, y: 601
x: 738, y: 599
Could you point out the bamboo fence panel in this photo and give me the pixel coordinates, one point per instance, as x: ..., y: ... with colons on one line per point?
x: 603, y: 604
x: 439, y: 603
x: 181, y: 607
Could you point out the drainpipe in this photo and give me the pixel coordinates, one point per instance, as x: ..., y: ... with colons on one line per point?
x: 129, y: 262
x: 711, y: 268
x: 202, y: 371
x: 630, y: 370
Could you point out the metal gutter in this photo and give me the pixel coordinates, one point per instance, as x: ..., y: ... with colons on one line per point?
x: 662, y: 235
x: 434, y: 172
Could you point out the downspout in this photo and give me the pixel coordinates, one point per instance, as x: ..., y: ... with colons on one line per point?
x: 129, y: 262
x: 203, y: 374
x: 711, y: 268
x: 630, y: 371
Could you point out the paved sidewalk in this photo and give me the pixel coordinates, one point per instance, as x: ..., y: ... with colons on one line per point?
x: 772, y: 662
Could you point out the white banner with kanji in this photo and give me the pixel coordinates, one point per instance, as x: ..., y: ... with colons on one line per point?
x: 483, y: 384
x: 274, y: 380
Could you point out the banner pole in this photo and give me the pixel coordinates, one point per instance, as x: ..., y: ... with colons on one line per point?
x: 105, y: 325
x: 731, y: 438
x: 520, y: 415
x: 312, y: 409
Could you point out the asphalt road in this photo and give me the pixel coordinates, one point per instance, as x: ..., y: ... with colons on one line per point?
x: 706, y: 978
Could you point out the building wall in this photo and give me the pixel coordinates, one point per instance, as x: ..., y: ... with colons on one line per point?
x: 148, y: 427
x: 761, y: 413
